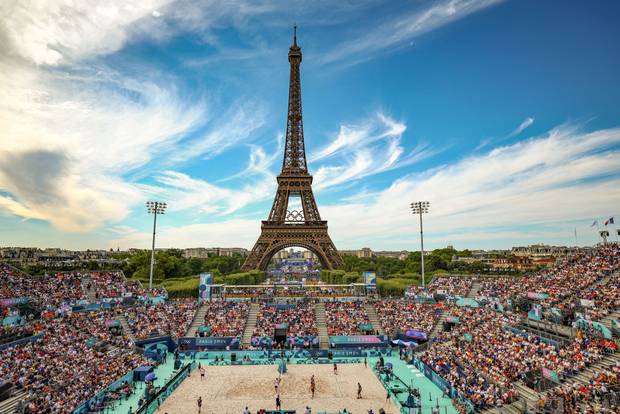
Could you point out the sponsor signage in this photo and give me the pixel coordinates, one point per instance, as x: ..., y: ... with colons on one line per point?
x: 416, y: 334
x: 14, y: 301
x: 210, y: 342
x: 358, y: 340
x: 370, y: 279
x: 204, y: 287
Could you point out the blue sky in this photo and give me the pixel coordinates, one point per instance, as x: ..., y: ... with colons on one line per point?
x: 505, y: 115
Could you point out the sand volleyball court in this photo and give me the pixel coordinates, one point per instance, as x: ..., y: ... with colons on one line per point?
x: 229, y: 389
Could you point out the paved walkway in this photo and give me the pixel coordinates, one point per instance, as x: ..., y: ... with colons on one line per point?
x: 431, y: 395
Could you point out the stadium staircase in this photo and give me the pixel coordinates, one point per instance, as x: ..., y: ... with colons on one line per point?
x: 126, y: 327
x: 612, y: 316
x: 321, y: 324
x: 199, y: 319
x: 9, y: 406
x: 373, y: 318
x: 438, y: 326
x: 250, y: 325
x: 475, y: 287
x: 90, y: 293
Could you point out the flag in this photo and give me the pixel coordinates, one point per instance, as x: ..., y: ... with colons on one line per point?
x: 594, y: 223
x: 610, y: 220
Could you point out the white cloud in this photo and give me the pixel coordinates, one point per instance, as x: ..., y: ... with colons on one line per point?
x: 401, y: 30
x: 553, y: 180
x: 535, y: 190
x: 230, y: 233
x: 92, y: 126
x: 522, y: 126
x: 51, y: 32
x: 57, y: 32
x: 238, y: 124
x: 526, y: 123
x: 369, y: 147
x: 188, y: 193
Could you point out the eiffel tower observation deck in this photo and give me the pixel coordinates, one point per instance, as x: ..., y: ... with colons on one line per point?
x: 286, y: 226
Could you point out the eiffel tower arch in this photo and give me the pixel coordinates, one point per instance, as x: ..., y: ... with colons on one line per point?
x: 288, y: 226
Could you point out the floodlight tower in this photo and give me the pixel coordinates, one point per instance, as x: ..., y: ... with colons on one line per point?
x: 154, y: 208
x: 604, y: 235
x: 421, y: 207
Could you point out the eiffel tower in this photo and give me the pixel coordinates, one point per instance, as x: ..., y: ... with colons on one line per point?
x: 301, y: 227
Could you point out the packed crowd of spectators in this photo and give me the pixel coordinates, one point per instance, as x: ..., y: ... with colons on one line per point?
x: 404, y: 315
x: 171, y: 318
x: 482, y: 359
x: 11, y: 333
x: 447, y: 285
x: 114, y: 285
x: 599, y: 395
x: 606, y: 297
x: 226, y: 318
x: 562, y: 282
x: 62, y: 370
x: 345, y: 318
x: 52, y: 289
x: 300, y: 319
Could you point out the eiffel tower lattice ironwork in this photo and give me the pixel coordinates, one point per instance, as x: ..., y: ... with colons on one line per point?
x: 294, y: 219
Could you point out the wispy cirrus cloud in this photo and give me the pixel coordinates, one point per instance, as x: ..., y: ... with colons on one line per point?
x: 399, y: 31
x: 555, y: 180
x: 526, y: 123
x: 535, y: 188
x: 369, y: 147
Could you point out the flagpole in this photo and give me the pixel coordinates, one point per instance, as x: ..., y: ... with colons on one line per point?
x: 576, y: 244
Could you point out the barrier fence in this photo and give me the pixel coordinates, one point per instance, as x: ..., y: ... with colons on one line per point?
x: 165, y: 391
x: 444, y: 385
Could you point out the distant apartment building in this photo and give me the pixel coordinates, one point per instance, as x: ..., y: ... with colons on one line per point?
x: 55, y: 257
x: 542, y: 250
x: 366, y: 252
x: 205, y: 252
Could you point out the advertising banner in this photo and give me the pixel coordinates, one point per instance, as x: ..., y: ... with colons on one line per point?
x: 13, y: 301
x: 536, y: 295
x: 370, y: 279
x: 594, y: 328
x: 204, y: 287
x: 416, y: 335
x: 345, y: 341
x: 550, y: 375
x: 193, y: 343
x: 535, y: 313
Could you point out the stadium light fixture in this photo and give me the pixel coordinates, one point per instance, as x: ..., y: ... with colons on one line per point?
x: 154, y: 208
x: 421, y: 207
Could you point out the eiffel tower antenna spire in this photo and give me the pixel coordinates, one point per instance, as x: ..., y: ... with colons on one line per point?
x: 294, y: 151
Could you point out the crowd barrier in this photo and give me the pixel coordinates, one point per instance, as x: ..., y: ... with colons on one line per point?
x: 165, y: 391
x: 84, y: 408
x: 21, y: 341
x: 525, y: 334
x: 269, y: 355
x: 167, y: 340
x: 444, y: 385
